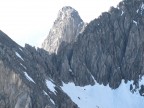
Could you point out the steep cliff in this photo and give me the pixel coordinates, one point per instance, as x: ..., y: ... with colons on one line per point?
x: 100, y: 67
x: 111, y: 47
x: 25, y: 78
x: 66, y: 28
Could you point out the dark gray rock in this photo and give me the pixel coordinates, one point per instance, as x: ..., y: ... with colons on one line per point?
x: 110, y: 49
x: 18, y: 90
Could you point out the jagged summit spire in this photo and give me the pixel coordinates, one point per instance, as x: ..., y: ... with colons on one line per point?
x: 67, y: 8
x: 68, y: 11
x: 65, y: 29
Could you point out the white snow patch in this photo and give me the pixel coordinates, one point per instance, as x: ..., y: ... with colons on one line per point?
x: 103, y: 96
x: 45, y: 92
x: 122, y: 13
x: 142, y: 6
x: 93, y: 78
x: 20, y: 49
x: 137, y: 11
x: 22, y: 65
x: 134, y: 22
x: 70, y: 70
x: 28, y: 77
x: 19, y: 55
x: 118, y: 7
x: 52, y: 101
x: 50, y: 85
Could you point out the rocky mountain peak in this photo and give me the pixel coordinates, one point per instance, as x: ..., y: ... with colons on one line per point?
x: 67, y: 12
x: 102, y: 67
x: 65, y: 29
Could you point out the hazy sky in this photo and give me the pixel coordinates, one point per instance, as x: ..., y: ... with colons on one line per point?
x: 29, y: 21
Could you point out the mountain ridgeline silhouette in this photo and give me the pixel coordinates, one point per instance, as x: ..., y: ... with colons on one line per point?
x: 107, y: 51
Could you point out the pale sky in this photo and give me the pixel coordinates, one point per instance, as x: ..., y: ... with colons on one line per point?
x: 29, y: 21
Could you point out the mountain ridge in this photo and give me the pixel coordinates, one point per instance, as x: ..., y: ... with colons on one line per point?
x: 65, y: 29
x: 107, y: 55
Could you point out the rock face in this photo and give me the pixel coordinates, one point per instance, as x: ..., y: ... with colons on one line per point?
x: 109, y: 50
x: 66, y: 28
x: 25, y: 78
x: 111, y: 47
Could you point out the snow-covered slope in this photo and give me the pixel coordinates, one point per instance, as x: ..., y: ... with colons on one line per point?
x: 100, y: 96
